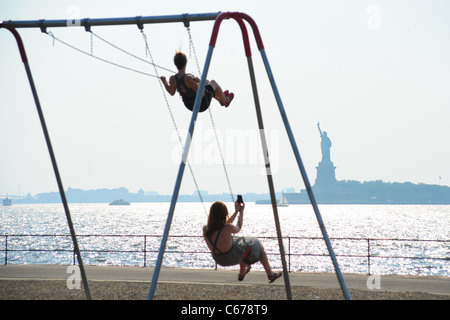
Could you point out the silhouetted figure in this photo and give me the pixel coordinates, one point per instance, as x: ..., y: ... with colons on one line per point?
x: 325, y: 145
x: 326, y: 172
x: 187, y: 86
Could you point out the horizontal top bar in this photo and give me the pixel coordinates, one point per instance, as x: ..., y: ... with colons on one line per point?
x: 87, y: 22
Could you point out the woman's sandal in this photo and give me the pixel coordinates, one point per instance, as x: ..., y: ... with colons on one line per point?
x: 242, y: 276
x: 274, y: 276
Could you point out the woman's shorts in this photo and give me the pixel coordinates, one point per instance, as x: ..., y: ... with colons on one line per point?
x: 207, y: 97
x: 206, y: 100
x: 256, y: 249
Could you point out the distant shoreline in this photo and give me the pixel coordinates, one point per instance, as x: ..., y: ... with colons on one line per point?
x: 341, y: 192
x: 258, y: 202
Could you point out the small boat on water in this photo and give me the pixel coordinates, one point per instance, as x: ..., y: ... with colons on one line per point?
x: 283, y: 201
x: 7, y: 202
x: 120, y: 202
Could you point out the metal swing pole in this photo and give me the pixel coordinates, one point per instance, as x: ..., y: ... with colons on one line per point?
x: 304, y: 176
x: 53, y: 159
x: 198, y: 99
x: 266, y: 155
x: 295, y: 150
x: 270, y: 180
x: 92, y: 22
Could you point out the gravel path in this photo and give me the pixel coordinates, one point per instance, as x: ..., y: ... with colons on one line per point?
x: 121, y: 290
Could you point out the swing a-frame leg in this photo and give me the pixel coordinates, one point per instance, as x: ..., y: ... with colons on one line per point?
x: 53, y: 159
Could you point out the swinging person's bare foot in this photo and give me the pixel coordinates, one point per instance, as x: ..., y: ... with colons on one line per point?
x: 229, y: 96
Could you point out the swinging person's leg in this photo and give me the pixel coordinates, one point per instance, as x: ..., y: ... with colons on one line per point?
x: 270, y: 274
x: 244, y: 269
x: 265, y: 262
x: 219, y: 94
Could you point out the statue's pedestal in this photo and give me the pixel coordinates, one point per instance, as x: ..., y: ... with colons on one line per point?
x: 326, y: 176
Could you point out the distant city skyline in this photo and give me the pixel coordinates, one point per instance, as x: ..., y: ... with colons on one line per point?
x: 339, y: 192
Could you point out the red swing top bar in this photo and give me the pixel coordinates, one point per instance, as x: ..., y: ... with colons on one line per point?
x: 19, y: 41
x: 239, y: 17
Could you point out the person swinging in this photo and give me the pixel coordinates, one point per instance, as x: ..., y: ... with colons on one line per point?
x: 227, y: 250
x: 187, y: 86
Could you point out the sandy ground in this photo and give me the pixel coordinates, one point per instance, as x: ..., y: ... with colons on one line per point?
x: 127, y: 290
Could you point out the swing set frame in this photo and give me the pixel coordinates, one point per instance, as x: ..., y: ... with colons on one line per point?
x: 241, y: 19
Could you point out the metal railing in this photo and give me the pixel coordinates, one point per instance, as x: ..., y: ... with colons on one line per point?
x: 373, y: 248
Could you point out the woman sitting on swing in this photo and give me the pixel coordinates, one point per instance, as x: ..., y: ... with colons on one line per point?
x: 187, y: 86
x: 228, y: 250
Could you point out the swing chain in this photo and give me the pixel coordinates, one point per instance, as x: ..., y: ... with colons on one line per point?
x: 146, y: 44
x: 172, y: 117
x: 129, y: 53
x: 191, y: 45
x: 50, y: 34
x: 92, y: 43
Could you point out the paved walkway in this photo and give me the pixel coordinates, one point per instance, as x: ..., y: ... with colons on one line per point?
x: 436, y: 285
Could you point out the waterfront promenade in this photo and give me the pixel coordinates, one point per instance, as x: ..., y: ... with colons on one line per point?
x: 130, y: 274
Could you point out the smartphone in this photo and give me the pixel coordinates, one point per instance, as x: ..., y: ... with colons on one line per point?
x: 239, y: 199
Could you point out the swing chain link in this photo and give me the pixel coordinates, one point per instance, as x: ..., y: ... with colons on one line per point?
x: 92, y: 43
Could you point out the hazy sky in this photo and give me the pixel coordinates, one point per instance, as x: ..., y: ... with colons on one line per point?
x: 375, y: 74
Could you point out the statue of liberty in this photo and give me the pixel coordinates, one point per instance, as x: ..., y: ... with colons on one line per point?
x: 325, y: 145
